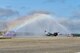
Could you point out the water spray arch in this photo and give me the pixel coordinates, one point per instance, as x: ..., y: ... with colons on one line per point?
x: 43, y: 17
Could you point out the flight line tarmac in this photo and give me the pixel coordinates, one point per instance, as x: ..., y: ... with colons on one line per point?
x: 40, y: 45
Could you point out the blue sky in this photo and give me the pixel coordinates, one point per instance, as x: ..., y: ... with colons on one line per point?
x: 65, y: 8
x: 12, y: 9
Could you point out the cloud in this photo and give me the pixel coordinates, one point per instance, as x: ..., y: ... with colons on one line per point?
x: 76, y: 14
x: 72, y: 24
x: 5, y: 12
x: 39, y: 12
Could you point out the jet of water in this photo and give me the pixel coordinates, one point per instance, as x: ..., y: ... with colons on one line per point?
x: 28, y: 22
x: 41, y: 16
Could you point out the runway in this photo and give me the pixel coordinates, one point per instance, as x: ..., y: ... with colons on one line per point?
x: 40, y: 45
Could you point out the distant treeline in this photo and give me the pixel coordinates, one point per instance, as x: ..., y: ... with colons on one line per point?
x: 76, y: 35
x: 1, y: 33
